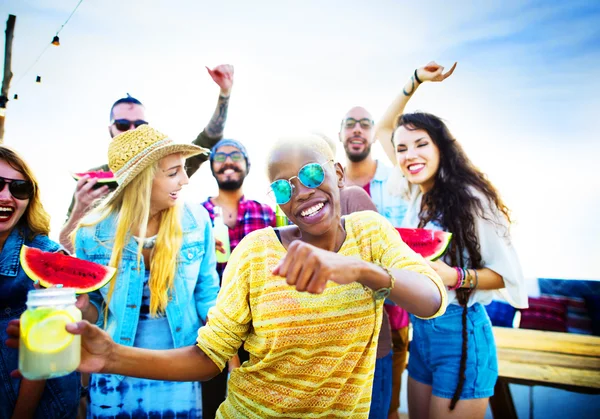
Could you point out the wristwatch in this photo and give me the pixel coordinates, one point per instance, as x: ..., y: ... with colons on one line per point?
x: 383, y: 293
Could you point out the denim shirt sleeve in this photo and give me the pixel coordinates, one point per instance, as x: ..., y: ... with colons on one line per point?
x: 81, y: 239
x: 207, y: 286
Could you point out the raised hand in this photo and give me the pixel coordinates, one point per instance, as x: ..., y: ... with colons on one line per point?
x: 223, y: 76
x: 308, y: 268
x: 434, y: 72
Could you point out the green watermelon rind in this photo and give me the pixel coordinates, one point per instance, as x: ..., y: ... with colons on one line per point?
x: 47, y: 283
x: 444, y: 237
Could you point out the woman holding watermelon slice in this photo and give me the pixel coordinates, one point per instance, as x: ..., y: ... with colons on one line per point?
x: 453, y: 357
x: 23, y: 221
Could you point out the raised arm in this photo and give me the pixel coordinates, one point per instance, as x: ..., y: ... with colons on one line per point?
x: 385, y: 127
x: 213, y: 132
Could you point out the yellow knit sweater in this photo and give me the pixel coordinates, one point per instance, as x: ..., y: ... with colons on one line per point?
x: 311, y: 356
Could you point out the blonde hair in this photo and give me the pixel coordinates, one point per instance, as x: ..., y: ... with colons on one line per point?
x: 35, y: 216
x: 132, y: 208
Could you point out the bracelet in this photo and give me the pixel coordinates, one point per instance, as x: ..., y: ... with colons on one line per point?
x: 470, y: 279
x: 383, y: 293
x: 476, y: 278
x: 459, y: 279
x: 417, y: 77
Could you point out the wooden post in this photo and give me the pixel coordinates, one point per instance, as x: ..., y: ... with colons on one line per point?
x: 10, y: 29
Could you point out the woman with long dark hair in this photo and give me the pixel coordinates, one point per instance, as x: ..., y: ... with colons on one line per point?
x: 453, y: 357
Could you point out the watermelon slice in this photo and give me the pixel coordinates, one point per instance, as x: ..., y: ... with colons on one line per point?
x: 103, y: 177
x: 431, y: 244
x: 52, y: 269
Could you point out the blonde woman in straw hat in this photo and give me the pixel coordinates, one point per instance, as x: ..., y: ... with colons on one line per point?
x: 167, y: 276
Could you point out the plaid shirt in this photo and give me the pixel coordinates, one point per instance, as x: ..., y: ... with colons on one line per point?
x: 251, y: 216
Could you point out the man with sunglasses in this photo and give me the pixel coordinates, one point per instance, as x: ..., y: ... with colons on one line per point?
x: 357, y: 134
x: 229, y: 164
x: 129, y: 113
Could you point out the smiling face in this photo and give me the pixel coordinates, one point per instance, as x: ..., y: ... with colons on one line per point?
x: 168, y: 181
x: 418, y: 156
x: 11, y: 208
x: 230, y: 174
x: 357, y: 134
x: 315, y: 212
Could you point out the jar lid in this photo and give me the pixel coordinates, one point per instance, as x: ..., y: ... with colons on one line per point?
x: 51, y: 296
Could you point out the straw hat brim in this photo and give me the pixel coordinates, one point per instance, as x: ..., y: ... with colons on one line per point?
x: 188, y: 150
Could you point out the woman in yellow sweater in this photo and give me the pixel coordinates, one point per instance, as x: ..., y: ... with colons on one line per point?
x: 306, y: 299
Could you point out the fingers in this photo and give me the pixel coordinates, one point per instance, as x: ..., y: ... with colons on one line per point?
x: 318, y: 282
x: 449, y: 73
x: 83, y: 302
x: 304, y: 276
x: 81, y: 182
x: 219, y: 246
x: 13, y: 331
x: 83, y: 328
x: 16, y: 374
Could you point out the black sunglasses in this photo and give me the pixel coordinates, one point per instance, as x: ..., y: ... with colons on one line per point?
x: 126, y: 124
x: 20, y: 189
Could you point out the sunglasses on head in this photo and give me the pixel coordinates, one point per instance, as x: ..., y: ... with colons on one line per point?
x: 310, y: 175
x: 126, y: 124
x: 365, y: 123
x: 220, y: 157
x: 20, y: 189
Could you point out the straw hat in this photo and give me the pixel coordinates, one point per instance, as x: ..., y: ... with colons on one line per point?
x: 132, y: 151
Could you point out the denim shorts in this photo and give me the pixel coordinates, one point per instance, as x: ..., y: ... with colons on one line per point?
x: 436, y: 347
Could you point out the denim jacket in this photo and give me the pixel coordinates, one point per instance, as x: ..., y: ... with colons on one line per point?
x: 195, y: 287
x: 390, y: 206
x: 61, y: 395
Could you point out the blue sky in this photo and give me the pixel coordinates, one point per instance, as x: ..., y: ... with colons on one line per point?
x: 523, y: 100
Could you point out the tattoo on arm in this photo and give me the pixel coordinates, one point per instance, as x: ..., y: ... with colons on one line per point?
x: 412, y: 87
x: 217, y: 123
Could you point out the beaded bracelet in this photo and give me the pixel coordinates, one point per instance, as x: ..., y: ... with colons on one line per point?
x: 460, y: 278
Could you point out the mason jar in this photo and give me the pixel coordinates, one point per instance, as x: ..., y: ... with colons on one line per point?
x: 46, y: 349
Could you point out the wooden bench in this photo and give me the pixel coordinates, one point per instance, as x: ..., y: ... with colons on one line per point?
x: 532, y: 357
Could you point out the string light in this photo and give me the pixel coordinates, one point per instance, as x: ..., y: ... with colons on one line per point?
x: 55, y: 41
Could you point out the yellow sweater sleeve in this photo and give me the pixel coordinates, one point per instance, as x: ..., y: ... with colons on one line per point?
x: 389, y: 250
x: 230, y: 319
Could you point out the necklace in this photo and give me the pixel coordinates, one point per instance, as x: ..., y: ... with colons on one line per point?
x: 148, y: 242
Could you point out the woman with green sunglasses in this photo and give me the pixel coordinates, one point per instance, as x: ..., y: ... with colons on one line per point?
x: 305, y: 300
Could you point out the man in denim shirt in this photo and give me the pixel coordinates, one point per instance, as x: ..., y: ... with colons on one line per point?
x: 357, y: 134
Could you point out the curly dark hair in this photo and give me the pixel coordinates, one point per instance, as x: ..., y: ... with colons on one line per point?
x: 452, y: 204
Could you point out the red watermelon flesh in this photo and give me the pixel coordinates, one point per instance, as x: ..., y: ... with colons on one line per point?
x: 52, y: 269
x: 431, y: 244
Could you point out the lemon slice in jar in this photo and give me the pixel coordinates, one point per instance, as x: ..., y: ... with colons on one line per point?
x: 49, y: 335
